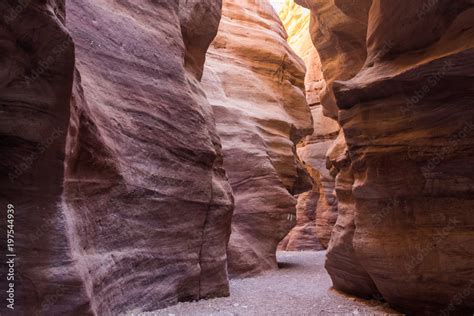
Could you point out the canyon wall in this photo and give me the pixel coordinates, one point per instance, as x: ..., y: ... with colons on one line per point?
x: 135, y: 213
x: 145, y: 193
x: 403, y: 96
x: 256, y: 91
x: 36, y: 72
x: 345, y: 25
x: 317, y: 208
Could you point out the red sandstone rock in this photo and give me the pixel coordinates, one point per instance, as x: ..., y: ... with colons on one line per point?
x: 342, y: 23
x: 312, y: 151
x: 257, y: 95
x: 407, y: 119
x: 316, y: 210
x: 145, y: 193
x: 345, y: 269
x: 304, y: 235
x: 36, y: 75
x: 338, y: 31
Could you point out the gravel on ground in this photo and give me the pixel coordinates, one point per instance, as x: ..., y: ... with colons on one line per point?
x: 300, y: 287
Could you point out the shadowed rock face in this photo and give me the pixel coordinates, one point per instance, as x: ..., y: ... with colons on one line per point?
x: 303, y: 235
x: 256, y: 91
x: 36, y: 75
x: 145, y: 193
x: 346, y: 271
x: 407, y: 118
x: 342, y: 23
x: 316, y: 209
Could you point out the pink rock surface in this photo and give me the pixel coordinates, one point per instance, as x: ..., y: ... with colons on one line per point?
x: 303, y: 235
x: 145, y: 193
x: 313, y: 152
x: 256, y: 91
x: 344, y: 23
x: 317, y: 209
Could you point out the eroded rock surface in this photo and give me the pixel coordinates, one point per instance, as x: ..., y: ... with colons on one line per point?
x: 36, y: 76
x: 313, y: 152
x: 145, y: 192
x: 344, y: 23
x: 316, y: 209
x: 338, y: 29
x: 343, y: 265
x: 256, y: 91
x: 405, y: 107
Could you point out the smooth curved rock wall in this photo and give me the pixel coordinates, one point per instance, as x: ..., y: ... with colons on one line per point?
x: 316, y: 209
x: 145, y: 192
x: 406, y: 114
x: 257, y: 93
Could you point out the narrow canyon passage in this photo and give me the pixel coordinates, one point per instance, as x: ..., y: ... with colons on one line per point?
x: 300, y: 287
x: 237, y: 157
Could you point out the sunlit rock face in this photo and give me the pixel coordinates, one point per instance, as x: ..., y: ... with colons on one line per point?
x: 338, y: 33
x: 296, y: 19
x: 408, y: 122
x: 338, y: 29
x: 36, y: 76
x: 316, y: 209
x: 254, y: 82
x: 145, y: 193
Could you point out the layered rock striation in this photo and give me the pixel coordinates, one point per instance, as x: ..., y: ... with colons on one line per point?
x: 346, y: 25
x: 36, y: 78
x: 316, y: 209
x: 404, y: 184
x: 257, y: 94
x: 113, y: 170
x: 146, y: 195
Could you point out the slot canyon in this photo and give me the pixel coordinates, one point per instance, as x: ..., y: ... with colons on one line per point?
x: 237, y: 157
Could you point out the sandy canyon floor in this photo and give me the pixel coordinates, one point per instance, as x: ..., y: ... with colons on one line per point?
x: 301, y: 287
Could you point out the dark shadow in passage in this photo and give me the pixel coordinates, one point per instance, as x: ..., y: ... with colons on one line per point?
x: 288, y: 265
